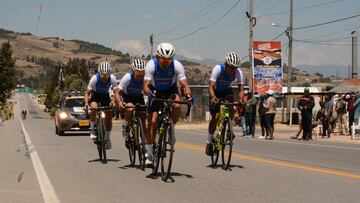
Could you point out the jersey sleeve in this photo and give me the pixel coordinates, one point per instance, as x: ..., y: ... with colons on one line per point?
x: 125, y: 81
x: 179, y: 70
x: 92, y: 83
x: 239, y: 77
x: 113, y: 82
x: 215, y: 73
x: 149, y: 70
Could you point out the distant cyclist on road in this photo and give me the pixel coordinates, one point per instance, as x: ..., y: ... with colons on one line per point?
x: 221, y: 78
x: 161, y: 75
x: 98, y: 92
x: 130, y: 90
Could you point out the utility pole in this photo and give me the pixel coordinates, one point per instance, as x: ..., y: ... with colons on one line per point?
x: 251, y: 39
x: 289, y: 33
x: 152, y: 44
x: 354, y: 55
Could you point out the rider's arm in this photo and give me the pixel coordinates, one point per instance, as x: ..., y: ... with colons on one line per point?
x: 149, y: 72
x: 147, y: 89
x: 86, y: 97
x: 117, y: 96
x: 212, y: 89
x: 184, y: 84
x: 91, y: 87
x: 240, y: 81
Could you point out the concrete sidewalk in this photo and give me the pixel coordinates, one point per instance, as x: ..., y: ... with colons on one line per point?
x: 282, y: 131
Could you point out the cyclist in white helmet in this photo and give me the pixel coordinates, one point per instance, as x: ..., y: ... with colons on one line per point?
x: 221, y: 78
x: 161, y: 76
x: 98, y: 93
x: 130, y: 91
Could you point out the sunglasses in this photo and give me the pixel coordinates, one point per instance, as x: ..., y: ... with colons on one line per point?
x: 165, y: 60
x: 104, y: 76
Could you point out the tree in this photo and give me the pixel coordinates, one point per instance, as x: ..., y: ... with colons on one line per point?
x: 7, y: 72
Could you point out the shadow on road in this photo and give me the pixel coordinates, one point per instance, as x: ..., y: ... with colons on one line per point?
x: 220, y: 166
x: 170, y: 179
x: 109, y: 160
x: 125, y: 167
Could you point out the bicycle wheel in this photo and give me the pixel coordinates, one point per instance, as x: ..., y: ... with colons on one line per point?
x: 156, y: 152
x: 227, y: 143
x: 141, y: 144
x: 102, y: 131
x: 167, y: 150
x: 215, y: 153
x: 132, y: 144
x: 97, y: 141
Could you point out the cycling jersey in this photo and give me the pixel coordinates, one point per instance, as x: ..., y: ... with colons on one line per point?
x: 223, y: 80
x: 131, y: 87
x: 164, y: 79
x: 100, y: 87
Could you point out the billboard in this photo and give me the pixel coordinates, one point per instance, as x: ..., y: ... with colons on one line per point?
x: 267, y: 66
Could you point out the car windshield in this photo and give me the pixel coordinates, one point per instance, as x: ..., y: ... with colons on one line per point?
x: 74, y: 102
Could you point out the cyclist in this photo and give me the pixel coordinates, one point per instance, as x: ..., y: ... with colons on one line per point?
x: 130, y: 91
x: 98, y: 92
x: 161, y: 75
x: 222, y: 76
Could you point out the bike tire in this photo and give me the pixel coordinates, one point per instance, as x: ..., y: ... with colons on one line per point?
x: 227, y: 143
x: 141, y: 141
x: 156, y: 152
x: 132, y: 146
x: 167, y: 150
x: 215, y: 154
x: 102, y: 132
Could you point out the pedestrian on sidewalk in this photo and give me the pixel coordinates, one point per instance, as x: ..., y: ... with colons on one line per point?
x: 250, y: 114
x: 241, y: 112
x: 270, y: 109
x: 261, y: 112
x: 327, y: 116
x: 350, y: 108
x: 341, y: 112
x: 305, y: 105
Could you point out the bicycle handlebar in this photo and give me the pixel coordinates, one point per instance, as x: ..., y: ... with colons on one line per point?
x: 170, y: 101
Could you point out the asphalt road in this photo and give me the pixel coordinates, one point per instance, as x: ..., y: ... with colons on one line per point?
x: 66, y: 169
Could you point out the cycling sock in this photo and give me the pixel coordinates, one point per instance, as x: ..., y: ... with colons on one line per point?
x: 149, y: 150
x: 108, y: 134
x: 210, y: 136
x: 92, y: 126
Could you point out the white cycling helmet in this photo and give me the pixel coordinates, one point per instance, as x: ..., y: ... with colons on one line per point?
x: 165, y: 50
x: 232, y: 59
x: 138, y: 65
x: 104, y: 68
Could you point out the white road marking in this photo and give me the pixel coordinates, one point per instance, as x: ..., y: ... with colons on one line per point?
x: 46, y: 187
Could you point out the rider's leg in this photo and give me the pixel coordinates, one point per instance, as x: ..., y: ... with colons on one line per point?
x: 150, y: 135
x: 108, y: 124
x: 92, y: 117
x: 127, y: 117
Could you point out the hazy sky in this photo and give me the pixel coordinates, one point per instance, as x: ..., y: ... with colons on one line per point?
x: 126, y: 25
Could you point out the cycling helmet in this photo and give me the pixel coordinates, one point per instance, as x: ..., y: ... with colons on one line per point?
x: 138, y: 64
x: 232, y: 59
x: 104, y: 68
x: 165, y: 50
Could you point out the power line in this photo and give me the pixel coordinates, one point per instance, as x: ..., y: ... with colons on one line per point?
x: 320, y: 43
x: 206, y: 26
x: 333, y: 33
x: 188, y: 20
x: 304, y: 8
x: 320, y: 24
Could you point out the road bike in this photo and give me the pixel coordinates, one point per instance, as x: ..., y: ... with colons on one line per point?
x: 223, y: 141
x: 136, y: 140
x: 165, y: 138
x: 100, y: 131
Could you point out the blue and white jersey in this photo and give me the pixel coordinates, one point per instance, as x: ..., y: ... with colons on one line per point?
x: 164, y: 79
x: 131, y: 87
x: 223, y: 80
x: 96, y: 85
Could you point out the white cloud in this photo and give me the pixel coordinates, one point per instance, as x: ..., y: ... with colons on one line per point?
x: 179, y: 13
x: 147, y: 17
x: 189, y: 54
x: 133, y: 47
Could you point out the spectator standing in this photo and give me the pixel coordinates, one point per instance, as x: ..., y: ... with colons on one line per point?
x: 351, y: 109
x: 241, y: 111
x: 327, y: 116
x: 250, y: 114
x: 341, y: 112
x: 305, y: 105
x: 357, y: 110
x: 270, y: 107
x: 261, y: 112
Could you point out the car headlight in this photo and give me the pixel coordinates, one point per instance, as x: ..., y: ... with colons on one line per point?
x: 63, y: 115
x: 103, y: 115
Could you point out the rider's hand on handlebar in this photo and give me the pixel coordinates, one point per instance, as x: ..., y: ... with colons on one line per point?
x: 214, y: 100
x: 189, y: 98
x: 86, y: 107
x: 122, y: 105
